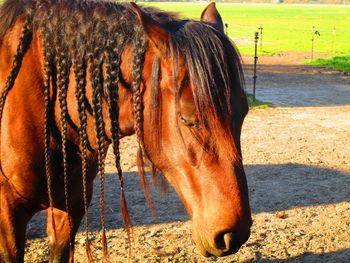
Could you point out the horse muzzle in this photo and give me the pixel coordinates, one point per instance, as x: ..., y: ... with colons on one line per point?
x: 221, y: 244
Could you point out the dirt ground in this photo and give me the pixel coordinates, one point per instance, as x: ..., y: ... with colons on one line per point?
x: 297, y: 161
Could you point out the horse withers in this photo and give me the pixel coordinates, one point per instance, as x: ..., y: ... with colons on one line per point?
x: 76, y: 76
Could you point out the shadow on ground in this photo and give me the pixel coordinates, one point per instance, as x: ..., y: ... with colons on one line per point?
x: 299, y: 85
x: 284, y: 186
x: 272, y: 188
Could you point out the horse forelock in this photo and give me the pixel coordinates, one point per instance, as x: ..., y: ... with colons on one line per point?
x: 215, y: 73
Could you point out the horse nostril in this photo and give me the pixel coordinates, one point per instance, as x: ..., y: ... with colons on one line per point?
x: 224, y: 240
x: 228, y: 240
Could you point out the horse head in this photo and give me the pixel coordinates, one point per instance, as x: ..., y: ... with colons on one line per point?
x: 192, y: 122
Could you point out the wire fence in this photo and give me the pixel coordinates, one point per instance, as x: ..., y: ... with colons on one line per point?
x: 323, y: 40
x: 245, y: 34
x: 232, y: 33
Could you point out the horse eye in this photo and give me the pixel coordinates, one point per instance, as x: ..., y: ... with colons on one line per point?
x: 191, y: 124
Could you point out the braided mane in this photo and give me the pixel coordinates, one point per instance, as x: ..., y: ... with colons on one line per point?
x: 77, y: 34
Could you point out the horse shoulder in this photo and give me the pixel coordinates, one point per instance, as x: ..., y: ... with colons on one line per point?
x: 23, y: 116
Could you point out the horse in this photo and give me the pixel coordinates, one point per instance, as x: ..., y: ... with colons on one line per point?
x: 77, y: 76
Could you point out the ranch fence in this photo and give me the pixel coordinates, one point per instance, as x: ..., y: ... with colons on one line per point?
x: 258, y: 33
x: 327, y: 37
x: 244, y: 33
x: 322, y: 41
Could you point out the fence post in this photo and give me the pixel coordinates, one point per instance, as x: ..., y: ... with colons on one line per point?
x: 333, y: 40
x: 261, y: 33
x: 314, y: 33
x: 256, y: 38
x: 312, y: 42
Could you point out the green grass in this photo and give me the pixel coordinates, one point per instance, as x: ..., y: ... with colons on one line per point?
x: 256, y: 103
x: 286, y: 27
x: 338, y: 62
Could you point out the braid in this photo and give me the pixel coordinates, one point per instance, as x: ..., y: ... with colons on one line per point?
x: 63, y: 68
x: 112, y: 78
x: 80, y: 79
x: 80, y: 73
x: 61, y: 74
x: 96, y: 75
x: 139, y: 51
x: 48, y: 64
x: 140, y: 45
x: 23, y: 45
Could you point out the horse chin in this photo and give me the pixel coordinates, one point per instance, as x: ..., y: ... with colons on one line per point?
x: 199, y: 245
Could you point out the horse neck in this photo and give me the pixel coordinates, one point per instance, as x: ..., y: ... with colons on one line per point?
x: 34, y: 56
x: 125, y: 103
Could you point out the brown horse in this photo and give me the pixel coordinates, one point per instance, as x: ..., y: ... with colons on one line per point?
x: 76, y: 76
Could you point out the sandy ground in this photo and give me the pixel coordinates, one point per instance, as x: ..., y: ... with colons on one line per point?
x: 297, y: 161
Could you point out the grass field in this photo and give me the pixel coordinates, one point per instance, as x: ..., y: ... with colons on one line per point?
x: 256, y: 102
x: 286, y: 27
x: 337, y: 62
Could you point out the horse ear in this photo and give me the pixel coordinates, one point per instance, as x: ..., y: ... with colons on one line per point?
x: 211, y: 14
x: 156, y: 35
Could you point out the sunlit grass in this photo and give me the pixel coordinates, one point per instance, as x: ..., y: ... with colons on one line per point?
x: 338, y: 62
x: 256, y: 103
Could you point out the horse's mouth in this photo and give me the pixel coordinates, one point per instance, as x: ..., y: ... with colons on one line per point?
x: 217, y: 253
